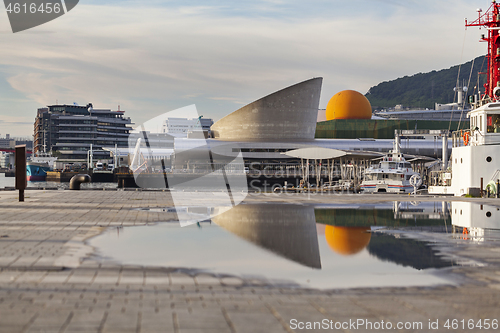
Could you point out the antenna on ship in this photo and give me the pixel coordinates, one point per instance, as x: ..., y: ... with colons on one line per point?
x: 491, y: 21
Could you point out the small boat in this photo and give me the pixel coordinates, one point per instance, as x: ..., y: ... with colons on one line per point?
x: 36, y: 169
x: 391, y: 174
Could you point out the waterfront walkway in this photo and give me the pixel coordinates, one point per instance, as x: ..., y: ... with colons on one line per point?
x: 51, y: 282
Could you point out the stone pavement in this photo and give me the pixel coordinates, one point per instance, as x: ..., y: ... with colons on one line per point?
x: 49, y: 281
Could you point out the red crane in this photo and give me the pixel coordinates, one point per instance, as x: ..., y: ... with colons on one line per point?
x: 491, y: 21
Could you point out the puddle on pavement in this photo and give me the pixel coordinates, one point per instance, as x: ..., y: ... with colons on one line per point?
x: 321, y: 246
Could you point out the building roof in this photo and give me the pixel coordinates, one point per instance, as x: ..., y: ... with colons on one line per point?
x: 288, y: 114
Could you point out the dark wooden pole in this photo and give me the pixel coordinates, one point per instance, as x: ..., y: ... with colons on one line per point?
x: 20, y: 158
x: 481, y: 187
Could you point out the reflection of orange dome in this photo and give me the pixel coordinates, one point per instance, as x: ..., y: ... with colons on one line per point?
x: 347, y: 240
x: 348, y: 104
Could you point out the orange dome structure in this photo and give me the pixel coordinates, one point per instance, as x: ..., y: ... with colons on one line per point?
x: 348, y: 104
x: 347, y: 240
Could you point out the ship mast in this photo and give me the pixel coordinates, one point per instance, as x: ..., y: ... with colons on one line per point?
x: 491, y: 21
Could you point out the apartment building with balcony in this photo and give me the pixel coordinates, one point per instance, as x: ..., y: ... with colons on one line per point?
x: 68, y: 131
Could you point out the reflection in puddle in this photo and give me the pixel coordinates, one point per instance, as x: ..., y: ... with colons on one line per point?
x: 347, y: 240
x: 330, y: 246
x: 405, y: 252
x: 287, y: 230
x: 475, y: 222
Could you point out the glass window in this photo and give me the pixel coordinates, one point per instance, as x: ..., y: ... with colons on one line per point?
x: 489, y: 124
x: 495, y: 123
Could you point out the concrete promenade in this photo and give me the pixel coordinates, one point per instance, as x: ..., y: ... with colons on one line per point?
x: 49, y: 281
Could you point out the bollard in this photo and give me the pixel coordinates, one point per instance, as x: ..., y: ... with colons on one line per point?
x: 74, y: 183
x: 498, y: 188
x: 481, y: 195
x: 20, y: 173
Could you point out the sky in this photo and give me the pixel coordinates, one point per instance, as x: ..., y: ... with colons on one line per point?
x: 150, y: 57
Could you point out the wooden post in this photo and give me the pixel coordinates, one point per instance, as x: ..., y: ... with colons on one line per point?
x: 481, y: 187
x: 20, y: 159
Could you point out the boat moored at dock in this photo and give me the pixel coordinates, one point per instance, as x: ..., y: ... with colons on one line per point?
x: 37, y: 168
x: 391, y: 174
x: 475, y: 159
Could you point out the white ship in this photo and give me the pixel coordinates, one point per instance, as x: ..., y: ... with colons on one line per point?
x: 475, y: 157
x: 391, y: 174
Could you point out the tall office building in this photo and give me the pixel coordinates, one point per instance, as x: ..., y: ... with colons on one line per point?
x: 68, y: 131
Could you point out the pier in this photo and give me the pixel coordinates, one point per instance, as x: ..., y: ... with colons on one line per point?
x: 50, y: 280
x: 65, y: 176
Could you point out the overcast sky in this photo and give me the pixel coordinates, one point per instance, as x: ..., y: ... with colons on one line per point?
x: 154, y: 56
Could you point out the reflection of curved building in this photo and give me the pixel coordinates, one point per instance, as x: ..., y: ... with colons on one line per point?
x: 288, y: 114
x: 287, y: 230
x: 290, y: 232
x: 347, y: 240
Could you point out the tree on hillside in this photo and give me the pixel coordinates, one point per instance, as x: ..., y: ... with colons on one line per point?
x: 423, y: 90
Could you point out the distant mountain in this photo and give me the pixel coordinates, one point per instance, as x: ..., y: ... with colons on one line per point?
x: 423, y: 90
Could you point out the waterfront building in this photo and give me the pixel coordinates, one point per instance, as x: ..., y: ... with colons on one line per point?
x: 439, y: 114
x: 6, y: 160
x: 266, y: 130
x: 287, y: 120
x: 9, y: 143
x: 277, y: 137
x: 68, y: 131
x: 6, y: 142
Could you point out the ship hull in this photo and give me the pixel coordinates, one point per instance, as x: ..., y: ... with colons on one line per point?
x: 36, y: 172
x: 386, y: 187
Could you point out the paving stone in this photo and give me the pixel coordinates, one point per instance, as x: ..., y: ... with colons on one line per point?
x: 6, y: 261
x: 132, y: 278
x: 57, y: 277
x: 84, y: 278
x: 181, y: 279
x: 231, y: 281
x: 206, y: 280
x: 9, y: 276
x: 157, y: 280
x: 33, y: 277
x: 109, y: 297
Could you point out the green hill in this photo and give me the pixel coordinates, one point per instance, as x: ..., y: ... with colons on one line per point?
x: 423, y: 90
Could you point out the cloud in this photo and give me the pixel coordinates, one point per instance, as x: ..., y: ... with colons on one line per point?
x: 151, y: 57
x: 10, y: 120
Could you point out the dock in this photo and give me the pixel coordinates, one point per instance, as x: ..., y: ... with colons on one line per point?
x: 51, y: 281
x: 65, y: 176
